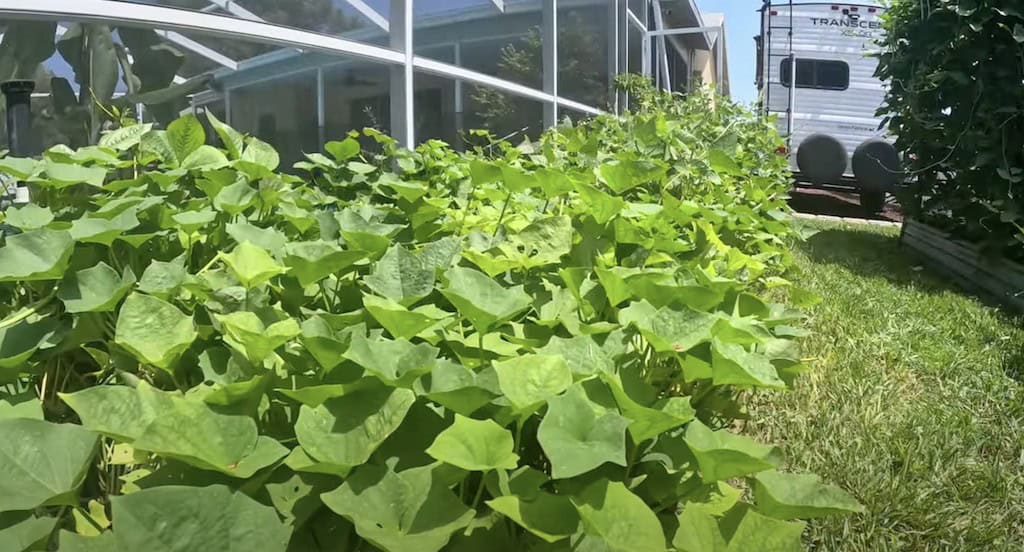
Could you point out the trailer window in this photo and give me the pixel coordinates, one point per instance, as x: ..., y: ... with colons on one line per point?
x: 822, y: 74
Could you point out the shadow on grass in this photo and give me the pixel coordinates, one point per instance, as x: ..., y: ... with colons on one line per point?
x: 870, y: 253
x: 1013, y: 366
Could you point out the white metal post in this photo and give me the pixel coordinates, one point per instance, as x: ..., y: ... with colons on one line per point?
x: 719, y: 59
x: 371, y: 14
x: 402, y: 124
x: 459, y: 118
x: 613, y: 52
x: 791, y: 108
x: 321, y: 107
x: 549, y: 55
x: 659, y: 23
x: 645, y: 62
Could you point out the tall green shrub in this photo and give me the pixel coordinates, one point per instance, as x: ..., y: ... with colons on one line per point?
x: 542, y: 347
x: 956, y: 104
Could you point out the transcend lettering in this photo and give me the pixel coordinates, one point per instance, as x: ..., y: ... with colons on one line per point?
x: 822, y: 21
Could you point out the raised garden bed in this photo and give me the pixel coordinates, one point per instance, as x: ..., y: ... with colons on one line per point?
x: 996, y: 278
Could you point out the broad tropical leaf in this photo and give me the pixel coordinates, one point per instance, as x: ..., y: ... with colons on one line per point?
x: 578, y: 435
x: 408, y: 511
x: 175, y: 426
x: 42, y: 463
x: 475, y: 445
x: 153, y: 330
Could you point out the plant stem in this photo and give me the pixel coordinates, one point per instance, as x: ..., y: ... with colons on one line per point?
x: 27, y: 311
x: 701, y: 395
x: 337, y: 290
x: 479, y: 491
x: 520, y: 422
x: 501, y: 217
x: 480, y: 340
x: 85, y: 513
x: 327, y: 300
x: 631, y: 460
x: 209, y: 264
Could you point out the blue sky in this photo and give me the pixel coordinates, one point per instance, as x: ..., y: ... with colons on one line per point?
x: 741, y: 25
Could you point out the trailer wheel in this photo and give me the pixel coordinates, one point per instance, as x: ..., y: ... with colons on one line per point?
x: 876, y: 164
x: 872, y: 202
x: 821, y: 159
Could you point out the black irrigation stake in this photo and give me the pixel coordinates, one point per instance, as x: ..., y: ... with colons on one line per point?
x: 18, y: 94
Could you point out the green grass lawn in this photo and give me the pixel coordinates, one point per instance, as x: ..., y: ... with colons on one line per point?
x: 915, y: 404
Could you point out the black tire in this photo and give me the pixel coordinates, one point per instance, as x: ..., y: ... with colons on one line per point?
x: 821, y: 159
x: 876, y: 164
x: 872, y: 202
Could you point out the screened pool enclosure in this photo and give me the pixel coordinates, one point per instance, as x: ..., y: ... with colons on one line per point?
x: 298, y: 73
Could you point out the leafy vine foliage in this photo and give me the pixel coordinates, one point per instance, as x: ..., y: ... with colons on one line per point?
x: 956, y: 105
x: 539, y: 347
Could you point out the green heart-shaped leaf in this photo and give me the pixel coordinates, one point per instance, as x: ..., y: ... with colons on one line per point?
x: 548, y: 516
x: 103, y: 230
x: 42, y: 463
x: 723, y: 455
x: 345, y: 431
x: 22, y: 531
x: 458, y: 388
x: 401, y: 276
x: 669, y: 330
x: 205, y: 158
x: 731, y: 364
x: 484, y: 302
x: 62, y: 175
x: 399, y: 321
x: 163, y: 278
x: 529, y: 380
x: 153, y: 330
x: 698, y: 531
x: 762, y: 533
x: 408, y: 511
x: 37, y: 255
x: 95, y: 289
x: 619, y: 519
x: 19, y: 341
x: 313, y: 261
x: 791, y: 495
x: 217, y: 518
x: 175, y: 426
x: 235, y: 198
x: 268, y: 238
x: 578, y: 435
x: 583, y: 355
x: 245, y: 332
x: 395, y: 362
x: 475, y: 445
x: 252, y: 265
x: 28, y: 217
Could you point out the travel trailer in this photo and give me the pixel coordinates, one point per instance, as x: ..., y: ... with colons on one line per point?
x: 833, y: 135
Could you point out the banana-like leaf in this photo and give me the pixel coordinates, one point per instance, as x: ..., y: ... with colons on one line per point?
x: 155, y: 62
x: 62, y: 95
x: 24, y: 47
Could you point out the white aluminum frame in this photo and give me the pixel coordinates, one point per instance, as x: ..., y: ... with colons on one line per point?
x: 719, y: 45
x: 192, y: 45
x: 243, y: 24
x: 371, y: 14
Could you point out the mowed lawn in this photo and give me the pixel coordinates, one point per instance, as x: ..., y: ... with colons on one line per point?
x: 915, y: 403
